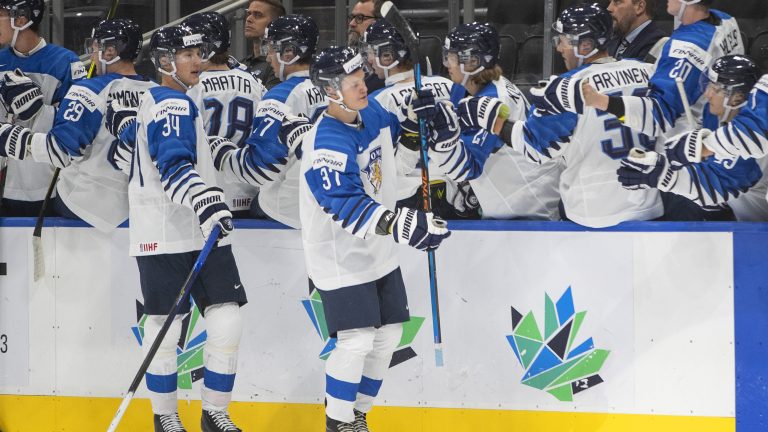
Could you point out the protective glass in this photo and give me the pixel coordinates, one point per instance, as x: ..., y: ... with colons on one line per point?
x: 708, y: 82
x: 383, y: 53
x: 454, y: 58
x: 287, y: 52
x: 108, y: 48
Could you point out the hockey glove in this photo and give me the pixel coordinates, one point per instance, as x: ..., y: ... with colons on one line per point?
x: 21, y: 96
x: 645, y: 170
x: 417, y: 105
x: 120, y: 155
x: 685, y: 149
x: 481, y: 112
x: 559, y: 95
x: 210, y: 206
x: 220, y: 150
x: 413, y: 227
x: 119, y: 118
x: 14, y: 141
x: 445, y: 129
x: 292, y: 131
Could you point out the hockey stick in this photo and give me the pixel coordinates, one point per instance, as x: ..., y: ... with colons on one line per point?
x: 183, y: 294
x: 388, y: 11
x: 38, y: 257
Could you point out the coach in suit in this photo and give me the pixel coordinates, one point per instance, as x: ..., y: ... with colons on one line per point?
x: 634, y: 32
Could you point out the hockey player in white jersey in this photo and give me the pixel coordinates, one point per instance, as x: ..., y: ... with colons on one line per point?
x: 228, y: 97
x: 174, y: 204
x: 348, y: 217
x: 506, y: 186
x: 591, y: 145
x: 30, y: 96
x: 88, y: 187
x: 386, y: 52
x: 705, y: 35
x: 716, y: 182
x: 289, y: 43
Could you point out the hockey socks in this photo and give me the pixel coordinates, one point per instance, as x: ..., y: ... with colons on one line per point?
x: 161, y: 376
x: 224, y: 328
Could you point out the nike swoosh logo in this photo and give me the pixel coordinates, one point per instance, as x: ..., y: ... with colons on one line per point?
x: 238, y: 286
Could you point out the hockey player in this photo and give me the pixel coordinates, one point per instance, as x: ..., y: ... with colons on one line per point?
x: 509, y: 187
x: 174, y: 205
x: 29, y: 96
x: 716, y: 182
x: 228, y: 97
x: 289, y: 43
x: 79, y: 142
x: 348, y: 224
x: 386, y: 52
x: 591, y: 145
x: 705, y: 35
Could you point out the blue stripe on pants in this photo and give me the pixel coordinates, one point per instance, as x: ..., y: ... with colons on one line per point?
x: 341, y: 389
x: 219, y: 382
x: 370, y: 387
x: 161, y: 383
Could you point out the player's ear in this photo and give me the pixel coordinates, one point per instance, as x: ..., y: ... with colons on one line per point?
x: 21, y: 21
x: 737, y: 99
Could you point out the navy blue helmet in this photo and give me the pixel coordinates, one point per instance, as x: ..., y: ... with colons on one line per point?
x: 382, y: 39
x: 124, y: 34
x: 473, y: 40
x: 169, y: 40
x: 581, y: 22
x: 297, y: 33
x: 32, y: 9
x: 214, y: 28
x: 332, y: 65
x: 733, y: 74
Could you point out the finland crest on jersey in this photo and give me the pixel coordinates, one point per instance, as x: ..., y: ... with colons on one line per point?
x: 373, y: 169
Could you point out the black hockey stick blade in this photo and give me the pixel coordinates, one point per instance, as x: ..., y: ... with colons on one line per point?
x: 389, y: 12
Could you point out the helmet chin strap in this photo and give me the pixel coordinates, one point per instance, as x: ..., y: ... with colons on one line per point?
x: 683, y: 5
x: 17, y: 29
x: 105, y: 63
x: 583, y: 57
x: 281, y: 72
x: 386, y: 68
x: 728, y: 108
x: 469, y: 74
x: 174, y: 76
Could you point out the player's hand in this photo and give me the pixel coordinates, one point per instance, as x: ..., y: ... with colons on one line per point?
x: 220, y: 149
x: 481, y: 112
x: 646, y: 170
x: 14, y: 141
x: 591, y: 96
x: 418, y: 105
x: 21, y: 96
x: 444, y: 128
x: 119, y: 117
x: 292, y: 131
x: 559, y: 95
x: 418, y: 229
x: 211, y: 209
x: 686, y: 148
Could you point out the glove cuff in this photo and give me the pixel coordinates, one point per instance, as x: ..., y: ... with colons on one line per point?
x: 385, y: 222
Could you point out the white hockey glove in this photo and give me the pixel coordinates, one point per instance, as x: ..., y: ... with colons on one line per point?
x: 646, y: 170
x: 445, y: 128
x: 210, y: 206
x: 14, y: 141
x: 220, y: 150
x: 292, y: 131
x: 685, y: 149
x: 416, y: 106
x: 119, y: 117
x: 413, y: 227
x: 559, y: 95
x: 21, y: 96
x: 481, y: 112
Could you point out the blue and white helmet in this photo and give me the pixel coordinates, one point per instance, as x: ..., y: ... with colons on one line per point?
x: 330, y: 68
x: 473, y: 47
x: 383, y: 44
x: 214, y: 28
x: 166, y: 42
x: 290, y: 36
x: 734, y: 76
x: 122, y: 34
x: 584, y: 25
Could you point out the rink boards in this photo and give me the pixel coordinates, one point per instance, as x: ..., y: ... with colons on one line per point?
x: 546, y: 327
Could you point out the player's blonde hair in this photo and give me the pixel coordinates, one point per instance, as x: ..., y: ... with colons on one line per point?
x: 486, y: 76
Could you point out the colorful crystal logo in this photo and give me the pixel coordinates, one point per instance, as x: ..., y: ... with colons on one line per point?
x: 551, y: 361
x: 189, y: 348
x: 314, y: 308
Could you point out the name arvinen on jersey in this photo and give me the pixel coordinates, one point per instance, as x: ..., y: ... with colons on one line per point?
x: 222, y: 83
x: 620, y: 78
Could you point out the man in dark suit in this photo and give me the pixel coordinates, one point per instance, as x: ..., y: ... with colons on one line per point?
x: 634, y: 32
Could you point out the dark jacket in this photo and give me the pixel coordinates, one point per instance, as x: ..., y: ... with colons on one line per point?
x: 262, y: 70
x: 639, y: 47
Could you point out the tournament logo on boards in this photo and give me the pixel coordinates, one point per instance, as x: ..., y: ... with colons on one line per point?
x: 555, y: 361
x: 189, y: 349
x: 314, y: 308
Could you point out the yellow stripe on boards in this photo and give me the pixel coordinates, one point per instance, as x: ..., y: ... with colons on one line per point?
x: 78, y: 414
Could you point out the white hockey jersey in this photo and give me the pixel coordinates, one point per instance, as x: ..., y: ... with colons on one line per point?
x: 228, y: 100
x: 79, y: 143
x: 171, y: 161
x: 592, y: 146
x: 348, y: 181
x: 55, y: 69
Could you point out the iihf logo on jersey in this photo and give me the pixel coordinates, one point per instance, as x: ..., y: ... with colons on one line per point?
x: 314, y: 308
x: 373, y: 169
x: 552, y: 362
x: 189, y: 347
